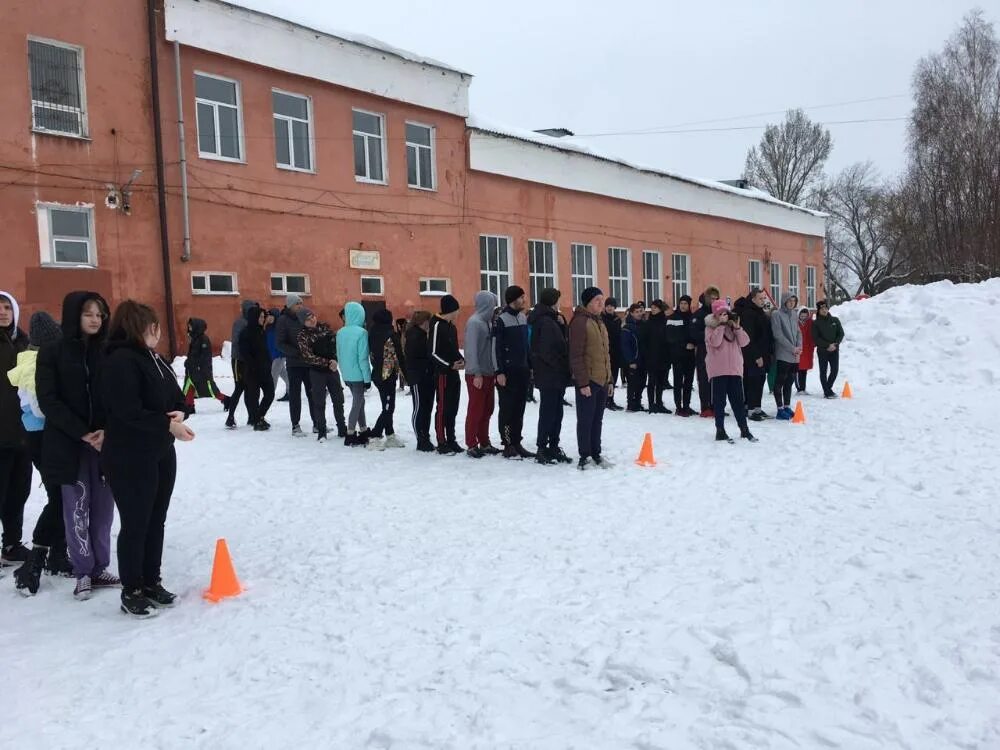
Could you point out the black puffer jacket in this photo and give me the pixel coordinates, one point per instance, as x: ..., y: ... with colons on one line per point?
x: 199, y: 358
x: 418, y: 356
x: 614, y: 325
x: 549, y: 348
x: 253, y: 348
x: 654, y: 343
x: 66, y: 380
x: 755, y: 322
x: 286, y: 338
x: 13, y: 341
x: 680, y: 333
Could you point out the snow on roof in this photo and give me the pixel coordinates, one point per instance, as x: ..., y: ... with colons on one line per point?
x: 573, y: 144
x: 312, y: 22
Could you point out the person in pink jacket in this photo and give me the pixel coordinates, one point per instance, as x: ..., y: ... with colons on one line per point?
x: 724, y: 342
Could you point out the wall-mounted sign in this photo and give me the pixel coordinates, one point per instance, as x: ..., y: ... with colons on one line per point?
x: 366, y: 260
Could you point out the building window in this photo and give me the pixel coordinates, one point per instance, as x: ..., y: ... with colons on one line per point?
x: 217, y: 105
x: 434, y: 287
x: 542, y: 267
x: 652, y: 275
x: 793, y: 280
x: 369, y: 147
x: 811, y: 286
x: 289, y: 283
x: 58, y: 95
x: 66, y: 235
x: 581, y: 269
x: 372, y: 286
x: 754, y: 274
x: 213, y: 283
x: 619, y: 276
x: 293, y: 147
x: 776, y: 283
x: 681, y: 276
x: 419, y: 156
x: 494, y: 263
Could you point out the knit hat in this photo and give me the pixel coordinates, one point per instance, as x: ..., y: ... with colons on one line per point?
x: 43, y: 330
x: 304, y: 314
x: 588, y: 294
x: 292, y: 300
x: 611, y: 301
x: 513, y: 294
x: 658, y: 303
x: 684, y: 298
x: 449, y: 304
x: 718, y: 306
x: 549, y: 297
x: 822, y: 303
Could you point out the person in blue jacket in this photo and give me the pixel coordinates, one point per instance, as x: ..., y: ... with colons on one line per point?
x: 353, y: 356
x: 632, y: 363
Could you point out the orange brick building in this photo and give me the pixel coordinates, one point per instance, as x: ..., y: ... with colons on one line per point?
x: 329, y: 165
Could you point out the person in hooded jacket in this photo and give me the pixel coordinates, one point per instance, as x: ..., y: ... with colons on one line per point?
x: 614, y: 326
x: 257, y: 369
x: 758, y: 352
x: 66, y: 377
x: 828, y: 333
x: 550, y: 361
x: 510, y: 337
x: 199, y: 378
x: 237, y: 362
x: 144, y: 410
x: 421, y: 377
x: 278, y: 369
x: 286, y: 339
x: 318, y: 347
x: 480, y: 375
x: 632, y: 361
x: 683, y: 354
x: 15, y: 460
x: 724, y: 342
x: 354, y: 358
x: 448, y: 362
x: 656, y: 355
x: 787, y: 350
x: 388, y: 361
x: 808, y: 350
x: 705, y: 300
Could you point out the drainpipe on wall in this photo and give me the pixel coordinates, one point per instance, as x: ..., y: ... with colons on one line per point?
x: 161, y: 187
x: 186, y: 255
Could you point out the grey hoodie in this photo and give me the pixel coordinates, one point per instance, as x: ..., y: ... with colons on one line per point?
x: 480, y: 358
x: 787, y: 334
x: 238, y: 325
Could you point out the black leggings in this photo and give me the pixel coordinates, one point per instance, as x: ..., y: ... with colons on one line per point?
x: 783, y: 382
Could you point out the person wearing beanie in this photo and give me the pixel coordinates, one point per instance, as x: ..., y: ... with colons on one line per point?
x: 257, y: 380
x: 757, y: 354
x: 319, y: 351
x: 421, y: 376
x: 656, y: 355
x: 199, y: 381
x: 550, y: 363
x: 828, y: 333
x: 480, y: 375
x: 447, y: 360
x: 787, y: 350
x: 354, y: 358
x: 388, y: 361
x: 682, y: 353
x: 510, y: 339
x: 724, y: 341
x: 286, y: 339
x: 632, y: 336
x: 614, y: 325
x: 590, y: 366
x: 15, y: 460
x: 705, y: 300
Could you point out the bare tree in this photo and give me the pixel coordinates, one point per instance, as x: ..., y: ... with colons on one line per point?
x: 788, y: 162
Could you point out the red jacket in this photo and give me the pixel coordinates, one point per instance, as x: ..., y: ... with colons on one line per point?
x: 808, y: 344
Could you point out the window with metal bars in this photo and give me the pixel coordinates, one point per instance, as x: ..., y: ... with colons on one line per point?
x: 619, y: 276
x: 494, y: 264
x: 582, y: 272
x: 58, y: 101
x: 542, y: 267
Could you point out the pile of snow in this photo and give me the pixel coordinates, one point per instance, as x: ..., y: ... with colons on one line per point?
x: 834, y: 586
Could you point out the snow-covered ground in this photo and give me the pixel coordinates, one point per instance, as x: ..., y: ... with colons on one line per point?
x: 835, y: 586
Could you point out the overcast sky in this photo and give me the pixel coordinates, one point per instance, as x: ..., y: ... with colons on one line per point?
x: 600, y: 66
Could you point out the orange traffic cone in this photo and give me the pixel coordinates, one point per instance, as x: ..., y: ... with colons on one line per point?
x: 224, y: 581
x: 800, y: 414
x: 847, y: 391
x: 646, y: 454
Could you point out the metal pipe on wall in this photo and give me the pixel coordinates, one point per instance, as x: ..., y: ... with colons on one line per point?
x: 186, y: 255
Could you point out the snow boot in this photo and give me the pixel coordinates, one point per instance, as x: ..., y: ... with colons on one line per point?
x: 28, y: 577
x: 135, y: 604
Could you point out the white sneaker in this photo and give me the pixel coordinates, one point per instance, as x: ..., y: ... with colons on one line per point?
x: 394, y: 442
x: 374, y: 444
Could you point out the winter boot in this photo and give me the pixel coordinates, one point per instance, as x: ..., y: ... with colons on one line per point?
x: 28, y: 577
x: 135, y: 604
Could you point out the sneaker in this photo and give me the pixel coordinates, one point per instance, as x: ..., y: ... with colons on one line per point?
x: 230, y: 423
x: 321, y: 437
x: 15, y: 554
x: 707, y: 414
x: 261, y: 426
x: 756, y: 416
x: 681, y: 412
x: 583, y: 464
x: 831, y: 394
x: 83, y: 589
x: 560, y: 455
x: 392, y: 441
x: 105, y: 580
x: 745, y: 434
x: 475, y: 453
x: 424, y: 445
x: 341, y: 431
x: 722, y: 437
x: 58, y: 563
x: 603, y: 463
x: 450, y: 448
x: 28, y: 577
x: 544, y: 457
x: 612, y: 406
x: 158, y: 596
x: 490, y: 450
x: 135, y: 604
x: 523, y: 452
x: 510, y: 452
x: 784, y: 414
x: 690, y: 412
x: 297, y: 431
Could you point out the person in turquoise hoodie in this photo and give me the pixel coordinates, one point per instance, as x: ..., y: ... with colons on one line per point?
x: 353, y: 357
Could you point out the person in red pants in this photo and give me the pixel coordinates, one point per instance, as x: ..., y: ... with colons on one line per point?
x: 480, y: 376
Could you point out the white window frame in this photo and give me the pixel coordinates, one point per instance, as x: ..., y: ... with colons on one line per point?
x: 540, y: 279
x: 284, y: 284
x: 503, y: 278
x: 623, y: 292
x: 368, y: 136
x: 381, y: 286
x: 289, y: 120
x: 417, y: 146
x: 582, y: 280
x: 81, y: 83
x: 755, y: 274
x: 207, y: 290
x: 681, y: 286
x: 774, y: 277
x: 426, y: 291
x: 811, y: 287
x: 793, y: 279
x: 652, y: 288
x: 47, y: 240
x: 218, y: 133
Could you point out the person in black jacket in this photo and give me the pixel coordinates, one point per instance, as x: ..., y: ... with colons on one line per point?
x: 234, y: 343
x: 144, y: 411
x: 656, y: 355
x: 550, y: 362
x: 420, y: 376
x: 257, y: 373
x: 758, y: 353
x: 510, y: 341
x: 614, y: 325
x: 318, y: 346
x: 388, y: 362
x: 15, y: 461
x: 200, y: 379
x: 286, y: 339
x: 65, y: 380
x: 631, y: 345
x: 683, y: 349
x: 706, y: 299
x: 448, y: 361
